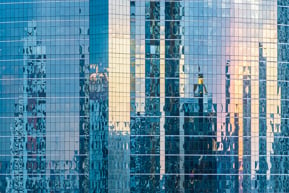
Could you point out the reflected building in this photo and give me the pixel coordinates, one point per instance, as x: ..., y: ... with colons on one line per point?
x: 247, y: 117
x: 28, y: 144
x: 63, y: 176
x: 98, y: 130
x: 44, y: 96
x: 280, y: 146
x: 84, y: 121
x: 200, y: 143
x: 262, y: 165
x: 228, y: 161
x: 108, y: 149
x: 173, y: 53
x: 146, y: 115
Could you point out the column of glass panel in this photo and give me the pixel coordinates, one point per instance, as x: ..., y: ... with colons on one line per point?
x: 279, y: 172
x: 13, y: 19
x: 145, y: 161
x: 98, y: 96
x: 64, y: 30
x: 173, y: 52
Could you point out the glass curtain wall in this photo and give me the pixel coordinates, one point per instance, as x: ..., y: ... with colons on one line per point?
x: 143, y: 96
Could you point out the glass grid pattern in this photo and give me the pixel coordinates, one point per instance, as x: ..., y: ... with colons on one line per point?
x: 44, y: 102
x: 144, y: 96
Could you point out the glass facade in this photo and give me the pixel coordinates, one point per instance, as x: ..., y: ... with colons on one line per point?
x: 44, y: 113
x: 144, y: 96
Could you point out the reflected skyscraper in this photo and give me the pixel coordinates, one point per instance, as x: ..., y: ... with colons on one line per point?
x: 280, y: 145
x: 200, y: 145
x: 228, y: 161
x: 28, y: 145
x: 44, y: 96
x: 263, y: 165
